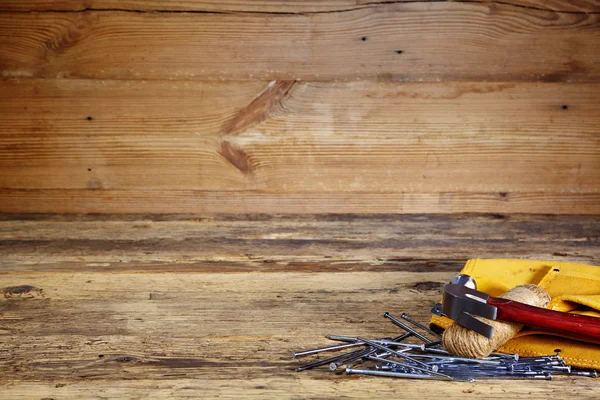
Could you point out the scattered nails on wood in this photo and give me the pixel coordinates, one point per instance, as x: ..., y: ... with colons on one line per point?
x: 426, y: 359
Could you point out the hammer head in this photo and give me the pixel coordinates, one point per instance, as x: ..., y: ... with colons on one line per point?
x: 461, y: 303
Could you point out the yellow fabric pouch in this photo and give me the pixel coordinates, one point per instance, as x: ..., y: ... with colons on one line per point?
x: 572, y: 287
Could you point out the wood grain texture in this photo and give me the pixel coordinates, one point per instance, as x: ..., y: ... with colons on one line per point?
x: 194, y: 201
x: 269, y: 243
x: 265, y: 6
x: 310, y: 147
x: 402, y: 42
x: 216, y: 335
x: 145, y: 306
x: 301, y: 386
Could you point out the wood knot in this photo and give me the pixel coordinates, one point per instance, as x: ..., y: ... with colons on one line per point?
x: 236, y: 157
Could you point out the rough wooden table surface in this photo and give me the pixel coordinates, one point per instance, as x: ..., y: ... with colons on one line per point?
x: 212, y: 307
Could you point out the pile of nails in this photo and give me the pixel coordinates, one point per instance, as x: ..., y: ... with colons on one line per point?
x: 395, y: 357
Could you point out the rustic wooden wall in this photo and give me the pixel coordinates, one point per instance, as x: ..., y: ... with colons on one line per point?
x: 299, y: 107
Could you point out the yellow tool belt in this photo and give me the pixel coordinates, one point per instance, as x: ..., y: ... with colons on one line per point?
x: 573, y: 288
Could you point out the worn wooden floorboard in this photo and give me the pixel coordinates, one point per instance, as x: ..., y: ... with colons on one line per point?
x: 275, y: 243
x: 402, y: 41
x: 300, y: 387
x: 214, y: 335
x: 147, y: 306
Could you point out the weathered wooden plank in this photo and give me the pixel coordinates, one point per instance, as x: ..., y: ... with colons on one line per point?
x: 97, y: 328
x: 224, y: 147
x: 321, y: 388
x: 266, y: 6
x: 275, y: 243
x: 403, y: 41
x: 202, y: 325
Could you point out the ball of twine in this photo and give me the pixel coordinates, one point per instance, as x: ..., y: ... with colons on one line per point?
x: 467, y: 343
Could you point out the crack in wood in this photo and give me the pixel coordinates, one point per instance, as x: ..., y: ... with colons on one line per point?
x: 333, y: 11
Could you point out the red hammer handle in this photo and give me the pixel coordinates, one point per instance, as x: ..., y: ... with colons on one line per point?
x: 580, y: 327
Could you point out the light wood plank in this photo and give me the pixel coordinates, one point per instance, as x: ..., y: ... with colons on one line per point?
x: 188, y: 201
x: 268, y: 243
x: 438, y: 41
x: 310, y: 147
x: 266, y: 6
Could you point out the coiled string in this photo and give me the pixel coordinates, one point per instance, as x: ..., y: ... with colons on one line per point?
x: 466, y: 343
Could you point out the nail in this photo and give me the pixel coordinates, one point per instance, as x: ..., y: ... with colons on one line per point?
x: 406, y: 327
x: 322, y: 349
x: 340, y: 338
x: 546, y: 377
x: 592, y: 373
x: 433, y: 371
x: 394, y: 352
x: 405, y: 317
x: 327, y: 360
x: 352, y: 371
x: 442, y: 359
x: 366, y: 352
x: 405, y: 345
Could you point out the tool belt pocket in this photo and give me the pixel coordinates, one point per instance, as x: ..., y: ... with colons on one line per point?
x: 573, y: 288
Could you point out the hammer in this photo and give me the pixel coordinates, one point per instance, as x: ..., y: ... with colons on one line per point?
x: 470, y: 308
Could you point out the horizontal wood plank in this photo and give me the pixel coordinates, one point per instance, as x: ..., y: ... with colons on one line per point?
x: 265, y: 6
x: 111, y: 146
x: 268, y: 243
x: 182, y: 201
x: 393, y: 42
x: 214, y: 335
x: 318, y: 388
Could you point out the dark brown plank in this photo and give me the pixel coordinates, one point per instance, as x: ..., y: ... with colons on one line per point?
x: 290, y: 243
x: 402, y: 42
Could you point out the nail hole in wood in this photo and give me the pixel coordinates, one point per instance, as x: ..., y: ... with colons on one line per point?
x: 565, y: 107
x: 364, y: 38
x: 89, y: 118
x: 399, y: 51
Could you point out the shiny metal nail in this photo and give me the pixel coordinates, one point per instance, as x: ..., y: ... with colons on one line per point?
x: 353, y: 371
x: 366, y: 352
x: 407, y: 328
x: 394, y: 352
x: 323, y: 349
x: 405, y: 317
x: 329, y: 360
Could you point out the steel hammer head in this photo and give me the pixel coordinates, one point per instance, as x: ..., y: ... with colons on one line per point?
x: 461, y: 303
